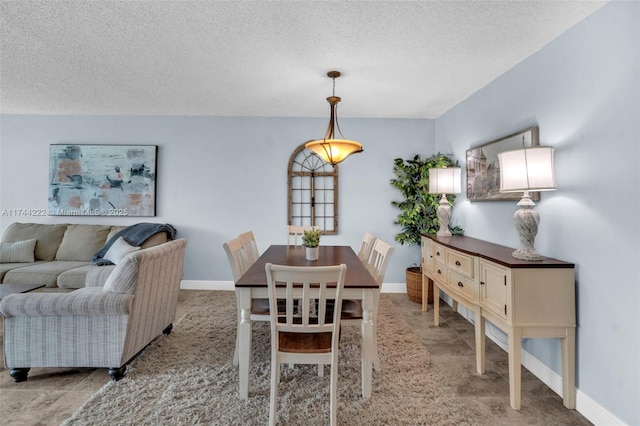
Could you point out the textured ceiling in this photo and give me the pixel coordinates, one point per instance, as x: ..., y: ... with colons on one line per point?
x: 406, y: 59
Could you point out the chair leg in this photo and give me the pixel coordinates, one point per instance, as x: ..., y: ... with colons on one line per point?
x: 275, y: 379
x: 236, y: 358
x: 333, y: 399
x: 376, y: 358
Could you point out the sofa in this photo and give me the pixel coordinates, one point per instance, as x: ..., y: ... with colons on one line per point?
x: 101, y: 326
x: 59, y: 256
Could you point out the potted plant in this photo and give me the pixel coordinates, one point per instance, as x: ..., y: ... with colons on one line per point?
x: 311, y: 240
x: 418, y: 209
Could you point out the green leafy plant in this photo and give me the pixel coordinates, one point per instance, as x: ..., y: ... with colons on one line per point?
x: 311, y: 238
x: 418, y: 209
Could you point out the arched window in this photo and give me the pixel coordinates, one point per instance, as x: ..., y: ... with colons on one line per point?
x: 313, y: 191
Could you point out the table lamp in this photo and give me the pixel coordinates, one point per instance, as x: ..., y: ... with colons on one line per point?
x: 444, y: 181
x: 527, y: 170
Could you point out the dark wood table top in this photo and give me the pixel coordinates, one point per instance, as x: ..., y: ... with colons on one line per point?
x: 7, y: 289
x: 496, y: 253
x: 357, y: 274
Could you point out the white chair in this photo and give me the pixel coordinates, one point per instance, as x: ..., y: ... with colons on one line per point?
x: 297, y: 337
x: 239, y: 265
x: 368, y: 240
x: 250, y: 247
x: 352, y: 309
x: 294, y: 235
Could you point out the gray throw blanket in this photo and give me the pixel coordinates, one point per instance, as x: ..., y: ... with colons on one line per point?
x: 134, y: 235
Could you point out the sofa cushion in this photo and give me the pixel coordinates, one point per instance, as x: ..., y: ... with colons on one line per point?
x: 73, y: 278
x: 18, y: 252
x: 6, y: 267
x: 81, y: 242
x: 48, y: 236
x: 123, y: 277
x: 45, y: 273
x: 155, y: 240
x: 119, y: 249
x: 83, y: 302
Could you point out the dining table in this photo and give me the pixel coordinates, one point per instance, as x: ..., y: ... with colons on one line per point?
x: 359, y: 285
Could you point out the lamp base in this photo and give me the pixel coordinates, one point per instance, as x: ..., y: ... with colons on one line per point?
x: 444, y: 215
x: 526, y: 220
x: 526, y: 254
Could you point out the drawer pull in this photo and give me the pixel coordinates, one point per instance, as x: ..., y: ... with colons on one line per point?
x: 439, y: 271
x: 481, y: 282
x: 437, y: 253
x: 458, y: 263
x: 460, y: 284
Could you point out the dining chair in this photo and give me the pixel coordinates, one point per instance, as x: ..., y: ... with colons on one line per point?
x: 352, y: 309
x: 294, y: 235
x: 298, y: 337
x: 249, y: 247
x: 365, y: 247
x: 239, y: 265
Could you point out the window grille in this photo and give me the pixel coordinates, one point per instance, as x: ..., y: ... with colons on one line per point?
x: 313, y: 191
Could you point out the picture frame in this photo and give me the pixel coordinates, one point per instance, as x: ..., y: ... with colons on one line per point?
x: 102, y: 180
x: 483, y: 167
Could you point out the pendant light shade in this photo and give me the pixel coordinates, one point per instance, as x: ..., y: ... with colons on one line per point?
x: 331, y: 149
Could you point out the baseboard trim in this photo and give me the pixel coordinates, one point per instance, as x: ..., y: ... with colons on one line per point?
x: 594, y: 412
x: 207, y: 285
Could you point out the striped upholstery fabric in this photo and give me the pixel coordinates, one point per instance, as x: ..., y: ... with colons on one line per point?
x: 18, y: 252
x: 98, y: 275
x: 91, y: 327
x: 85, y: 301
x: 123, y: 278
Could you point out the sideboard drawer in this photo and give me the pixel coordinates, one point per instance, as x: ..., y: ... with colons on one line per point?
x: 439, y: 253
x: 461, y: 285
x: 460, y: 263
x: 440, y: 272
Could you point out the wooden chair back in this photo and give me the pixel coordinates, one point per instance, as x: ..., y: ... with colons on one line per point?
x: 250, y: 247
x: 365, y: 247
x: 297, y: 335
x: 294, y: 234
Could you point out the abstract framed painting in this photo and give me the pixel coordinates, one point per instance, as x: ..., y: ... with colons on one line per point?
x: 102, y: 180
x: 483, y: 168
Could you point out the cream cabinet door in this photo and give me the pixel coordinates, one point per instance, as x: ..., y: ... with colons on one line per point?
x: 493, y: 288
x: 427, y: 256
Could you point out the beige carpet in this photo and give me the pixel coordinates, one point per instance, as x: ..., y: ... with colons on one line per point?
x: 187, y: 378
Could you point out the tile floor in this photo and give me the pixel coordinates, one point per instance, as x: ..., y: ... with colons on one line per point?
x: 52, y: 395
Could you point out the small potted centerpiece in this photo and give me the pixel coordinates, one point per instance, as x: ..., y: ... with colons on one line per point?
x: 311, y: 240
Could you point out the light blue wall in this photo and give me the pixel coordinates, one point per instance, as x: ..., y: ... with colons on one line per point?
x: 583, y: 91
x: 219, y: 176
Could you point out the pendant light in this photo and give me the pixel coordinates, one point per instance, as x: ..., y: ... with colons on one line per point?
x: 330, y: 149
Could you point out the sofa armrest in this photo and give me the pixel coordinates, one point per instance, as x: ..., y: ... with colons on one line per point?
x: 85, y: 302
x: 97, y: 275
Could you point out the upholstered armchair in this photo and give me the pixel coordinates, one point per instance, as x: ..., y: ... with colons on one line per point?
x: 96, y: 326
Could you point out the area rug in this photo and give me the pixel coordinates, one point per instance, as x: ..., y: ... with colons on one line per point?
x: 188, y: 378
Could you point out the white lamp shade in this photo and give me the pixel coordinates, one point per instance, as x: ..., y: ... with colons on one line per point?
x: 445, y: 181
x: 527, y: 169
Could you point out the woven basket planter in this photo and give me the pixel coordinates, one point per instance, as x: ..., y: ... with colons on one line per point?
x: 414, y: 285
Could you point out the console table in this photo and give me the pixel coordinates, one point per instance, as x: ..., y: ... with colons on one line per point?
x: 523, y: 298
